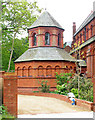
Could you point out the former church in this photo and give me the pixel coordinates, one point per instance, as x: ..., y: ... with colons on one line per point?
x: 45, y: 55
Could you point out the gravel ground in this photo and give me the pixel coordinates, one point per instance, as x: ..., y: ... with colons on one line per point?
x: 45, y: 105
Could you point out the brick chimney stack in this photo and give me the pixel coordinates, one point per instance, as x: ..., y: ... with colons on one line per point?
x: 74, y: 28
x: 94, y: 6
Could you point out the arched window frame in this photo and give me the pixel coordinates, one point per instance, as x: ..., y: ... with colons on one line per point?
x: 29, y: 71
x: 24, y: 72
x: 91, y: 30
x: 87, y: 33
x: 40, y: 71
x: 48, y: 71
x: 47, y: 38
x: 81, y: 38
x: 59, y: 39
x: 34, y: 39
x: 57, y: 69
x: 18, y: 71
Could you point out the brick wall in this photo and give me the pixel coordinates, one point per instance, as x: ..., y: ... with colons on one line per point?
x: 40, y: 36
x: 37, y: 74
x: 1, y: 86
x: 94, y: 96
x: 10, y: 93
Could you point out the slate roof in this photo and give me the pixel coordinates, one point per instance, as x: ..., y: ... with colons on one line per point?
x: 82, y: 63
x: 90, y: 17
x: 45, y: 53
x: 45, y: 20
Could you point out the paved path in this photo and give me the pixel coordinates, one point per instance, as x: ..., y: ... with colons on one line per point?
x: 33, y: 105
x: 60, y: 115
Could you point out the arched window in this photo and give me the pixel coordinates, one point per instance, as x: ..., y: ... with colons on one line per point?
x: 87, y: 33
x: 80, y: 38
x: 18, y: 71
x: 70, y: 67
x: 58, y: 39
x: 29, y: 71
x: 34, y: 39
x: 40, y: 71
x: 47, y: 38
x: 91, y: 30
x: 83, y: 36
x: 23, y: 72
x: 48, y: 71
x: 57, y: 69
x: 66, y: 69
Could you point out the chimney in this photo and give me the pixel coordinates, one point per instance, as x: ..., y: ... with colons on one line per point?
x: 74, y: 28
x: 94, y: 6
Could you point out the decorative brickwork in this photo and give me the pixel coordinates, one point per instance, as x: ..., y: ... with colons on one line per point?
x: 40, y: 70
x: 40, y: 36
x: 10, y: 93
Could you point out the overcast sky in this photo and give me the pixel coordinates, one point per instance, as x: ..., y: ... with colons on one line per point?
x: 66, y: 12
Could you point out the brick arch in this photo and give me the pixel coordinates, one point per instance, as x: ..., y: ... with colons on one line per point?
x: 71, y: 67
x: 50, y: 34
x: 34, y: 32
x: 66, y: 69
x: 48, y: 70
x: 40, y: 70
x: 57, y: 69
x: 91, y: 30
x: 24, y: 71
x: 30, y: 71
x: 18, y: 71
x: 47, y: 31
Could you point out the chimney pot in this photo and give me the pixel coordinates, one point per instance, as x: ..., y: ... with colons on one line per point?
x: 74, y: 28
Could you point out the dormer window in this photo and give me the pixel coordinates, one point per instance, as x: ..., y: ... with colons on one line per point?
x: 47, y: 38
x: 58, y: 39
x: 34, y: 39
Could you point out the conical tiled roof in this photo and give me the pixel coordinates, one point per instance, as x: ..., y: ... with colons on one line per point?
x: 45, y: 20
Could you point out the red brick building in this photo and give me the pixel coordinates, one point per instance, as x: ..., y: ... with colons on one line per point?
x: 83, y: 44
x: 45, y: 55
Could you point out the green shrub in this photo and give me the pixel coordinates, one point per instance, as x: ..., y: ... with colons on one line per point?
x: 75, y: 91
x: 62, y: 89
x: 63, y: 78
x: 86, y: 89
x: 4, y: 112
x: 44, y: 87
x: 68, y: 83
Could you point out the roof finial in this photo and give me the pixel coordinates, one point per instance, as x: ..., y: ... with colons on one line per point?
x: 45, y: 9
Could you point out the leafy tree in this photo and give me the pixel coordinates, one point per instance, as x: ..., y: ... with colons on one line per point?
x: 16, y: 16
x: 20, y: 46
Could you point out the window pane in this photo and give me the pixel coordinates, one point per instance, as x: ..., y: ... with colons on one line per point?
x: 58, y: 39
x: 34, y: 40
x: 47, y: 39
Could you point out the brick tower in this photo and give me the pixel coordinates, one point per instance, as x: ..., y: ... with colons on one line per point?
x: 45, y: 55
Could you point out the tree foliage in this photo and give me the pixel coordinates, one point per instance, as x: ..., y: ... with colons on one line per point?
x: 20, y: 46
x: 16, y: 16
x: 68, y: 82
